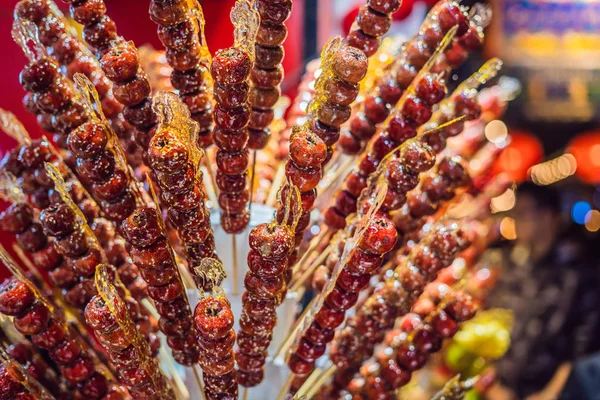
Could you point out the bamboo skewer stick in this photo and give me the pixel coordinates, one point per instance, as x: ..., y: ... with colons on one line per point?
x: 234, y: 286
x: 286, y: 387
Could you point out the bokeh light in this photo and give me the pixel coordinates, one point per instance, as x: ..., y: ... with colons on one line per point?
x: 508, y: 228
x: 496, y: 131
x: 579, y: 211
x: 592, y: 221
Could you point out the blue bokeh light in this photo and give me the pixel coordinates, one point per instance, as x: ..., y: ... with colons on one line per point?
x: 579, y: 211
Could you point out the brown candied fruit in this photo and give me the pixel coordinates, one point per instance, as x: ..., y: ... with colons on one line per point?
x: 173, y: 310
x: 304, y: 179
x: 379, y: 237
x: 430, y: 89
x: 373, y: 23
x: 58, y: 220
x: 352, y: 282
x: 34, y: 320
x: 32, y: 10
x: 219, y: 384
x: 140, y: 115
x: 250, y: 378
x: 32, y: 239
x: 168, y: 13
x: 51, y: 337
x: 307, y: 150
x: 142, y: 228
x: 88, y: 12
x: 134, y: 91
x: 16, y: 218
x: 230, y: 67
x: 54, y: 99
x: 113, y: 187
x: 333, y: 115
x: 100, y: 33
x: 339, y: 299
x: 231, y: 118
x: 366, y: 43
x: 233, y: 202
x: 213, y: 317
x: 268, y: 57
x: 98, y: 168
x: 88, y: 140
x: 81, y: 370
x: 166, y: 293
x: 418, y: 157
x: 271, y: 242
x: 166, y: 153
x: 121, y: 63
x: 329, y: 318
x: 274, y: 12
x: 350, y: 64
x: 232, y: 163
x: 184, y: 60
x: 264, y: 287
x: 231, y: 96
x: 15, y: 297
x: 39, y: 75
x: 451, y: 15
x: 300, y: 366
x: 179, y: 36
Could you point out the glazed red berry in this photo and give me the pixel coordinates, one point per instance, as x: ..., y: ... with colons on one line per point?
x: 213, y: 317
x: 379, y: 237
x: 430, y: 89
x: 39, y: 75
x: 15, y: 297
x: 307, y: 149
x: 16, y: 218
x: 141, y: 228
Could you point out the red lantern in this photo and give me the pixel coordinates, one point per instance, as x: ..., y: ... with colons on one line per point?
x: 523, y: 152
x: 586, y: 150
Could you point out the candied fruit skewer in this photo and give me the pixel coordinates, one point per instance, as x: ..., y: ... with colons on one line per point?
x: 74, y: 56
x: 414, y: 111
x: 372, y: 239
x: 265, y: 282
x: 402, y: 127
x: 81, y: 250
x: 230, y: 70
x: 121, y: 64
x: 143, y: 229
x: 35, y: 317
x: 397, y: 296
x: 31, y: 360
x: 51, y: 92
x: 398, y: 76
x: 174, y: 159
x: 214, y: 320
x: 181, y: 30
x: 267, y: 72
x: 411, y: 347
x: 110, y: 317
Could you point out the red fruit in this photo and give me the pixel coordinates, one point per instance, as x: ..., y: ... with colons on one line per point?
x: 416, y: 110
x: 300, y: 366
x: 15, y: 297
x: 141, y: 228
x: 444, y: 325
x: 430, y: 89
x: 51, y: 337
x: 329, y: 318
x: 427, y: 341
x: 410, y: 358
x: 307, y: 149
x: 379, y: 237
x: 16, y: 218
x: 271, y: 241
x: 213, y: 317
x: 394, y: 375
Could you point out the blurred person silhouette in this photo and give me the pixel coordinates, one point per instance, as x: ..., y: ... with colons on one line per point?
x: 550, y: 283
